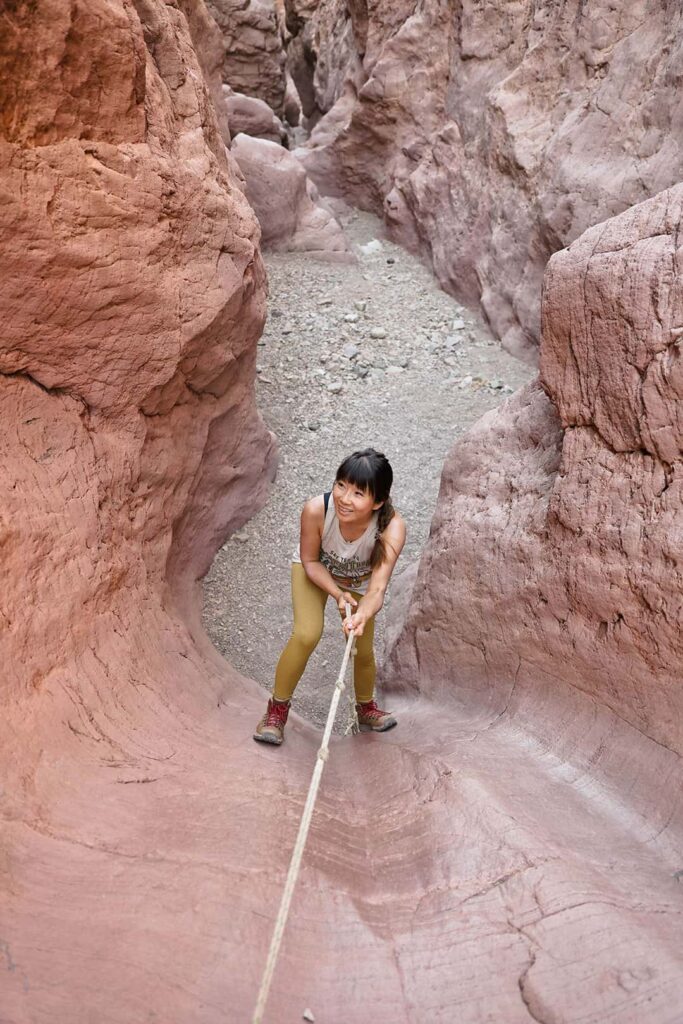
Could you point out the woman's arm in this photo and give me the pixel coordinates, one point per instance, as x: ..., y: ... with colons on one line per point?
x: 312, y: 522
x: 394, y: 537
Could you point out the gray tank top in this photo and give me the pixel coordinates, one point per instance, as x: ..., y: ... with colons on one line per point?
x: 346, y: 559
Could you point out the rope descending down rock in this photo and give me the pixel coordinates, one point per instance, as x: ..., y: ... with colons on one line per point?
x: 302, y: 836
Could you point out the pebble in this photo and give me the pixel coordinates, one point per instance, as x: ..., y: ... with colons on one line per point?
x: 287, y: 329
x: 458, y: 324
x: 392, y: 368
x: 351, y: 318
x: 308, y: 1015
x: 324, y: 302
x: 350, y: 351
x: 312, y: 424
x: 335, y: 386
x: 360, y: 371
x: 378, y: 333
x: 361, y: 305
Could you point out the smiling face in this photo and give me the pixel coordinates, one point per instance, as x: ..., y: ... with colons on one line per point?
x: 353, y: 505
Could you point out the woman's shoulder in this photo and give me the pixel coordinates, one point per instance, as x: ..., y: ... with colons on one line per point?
x: 396, y: 525
x: 314, y: 508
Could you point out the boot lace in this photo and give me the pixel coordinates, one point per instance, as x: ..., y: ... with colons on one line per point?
x: 370, y: 710
x: 277, y: 714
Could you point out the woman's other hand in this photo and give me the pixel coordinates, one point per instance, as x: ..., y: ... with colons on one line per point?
x: 342, y: 601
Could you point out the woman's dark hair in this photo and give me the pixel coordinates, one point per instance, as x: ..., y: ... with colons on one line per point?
x: 370, y: 471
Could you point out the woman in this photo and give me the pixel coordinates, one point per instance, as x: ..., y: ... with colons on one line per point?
x: 350, y: 541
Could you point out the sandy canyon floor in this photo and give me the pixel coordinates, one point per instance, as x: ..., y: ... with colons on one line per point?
x: 353, y: 354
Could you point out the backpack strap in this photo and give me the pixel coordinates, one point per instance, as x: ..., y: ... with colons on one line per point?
x: 326, y: 497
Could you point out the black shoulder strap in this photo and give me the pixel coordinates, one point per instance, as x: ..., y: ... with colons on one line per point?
x: 326, y: 496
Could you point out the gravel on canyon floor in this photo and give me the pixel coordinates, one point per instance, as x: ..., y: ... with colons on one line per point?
x: 354, y: 354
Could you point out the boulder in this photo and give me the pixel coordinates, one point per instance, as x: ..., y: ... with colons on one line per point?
x: 252, y: 116
x: 285, y: 201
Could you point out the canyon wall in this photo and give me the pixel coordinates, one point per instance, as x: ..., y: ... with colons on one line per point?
x: 553, y: 575
x: 491, y: 135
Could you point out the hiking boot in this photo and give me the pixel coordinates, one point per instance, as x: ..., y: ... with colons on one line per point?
x: 271, y: 728
x: 372, y: 717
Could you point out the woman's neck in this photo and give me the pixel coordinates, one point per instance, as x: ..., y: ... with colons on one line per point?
x: 357, y: 529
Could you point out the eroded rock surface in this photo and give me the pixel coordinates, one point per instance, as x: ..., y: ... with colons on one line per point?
x: 493, y: 135
x: 547, y: 605
x: 253, y: 59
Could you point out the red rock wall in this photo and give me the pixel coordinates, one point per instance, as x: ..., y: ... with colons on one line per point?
x: 553, y: 576
x: 133, y: 294
x: 491, y: 135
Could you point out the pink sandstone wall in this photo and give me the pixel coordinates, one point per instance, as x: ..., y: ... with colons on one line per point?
x: 490, y: 135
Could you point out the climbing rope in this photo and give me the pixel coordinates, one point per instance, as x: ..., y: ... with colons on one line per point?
x: 305, y: 824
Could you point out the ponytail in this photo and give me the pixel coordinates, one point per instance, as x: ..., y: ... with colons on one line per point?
x: 379, y: 552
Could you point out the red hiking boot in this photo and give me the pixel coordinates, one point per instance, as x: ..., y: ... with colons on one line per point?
x: 271, y: 728
x: 372, y: 717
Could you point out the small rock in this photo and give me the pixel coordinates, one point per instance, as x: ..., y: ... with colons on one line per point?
x: 377, y: 333
x: 335, y: 386
x: 371, y: 248
x: 276, y: 313
x: 391, y: 259
x: 361, y: 305
x: 324, y: 302
x: 392, y: 368
x: 287, y: 329
x: 496, y: 385
x: 351, y: 318
x: 312, y: 424
x: 360, y: 371
x: 403, y: 362
x: 242, y: 536
x: 458, y: 324
x: 465, y: 382
x: 308, y: 1015
x: 350, y: 351
x: 259, y: 368
x: 452, y: 341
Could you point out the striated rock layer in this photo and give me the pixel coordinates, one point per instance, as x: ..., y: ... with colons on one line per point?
x: 474, y: 864
x: 491, y: 135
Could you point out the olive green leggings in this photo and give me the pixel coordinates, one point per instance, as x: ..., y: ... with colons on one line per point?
x: 308, y: 602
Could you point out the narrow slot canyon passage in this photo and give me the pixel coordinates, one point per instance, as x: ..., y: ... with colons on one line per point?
x: 411, y: 392
x: 196, y: 330
x: 478, y: 839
